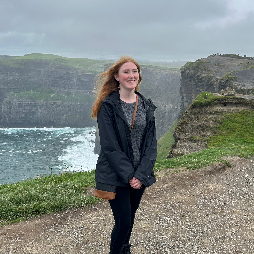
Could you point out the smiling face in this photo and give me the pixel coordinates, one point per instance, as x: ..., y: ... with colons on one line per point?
x: 128, y: 76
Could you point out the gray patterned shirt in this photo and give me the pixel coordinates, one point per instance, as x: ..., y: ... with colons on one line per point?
x: 139, y: 125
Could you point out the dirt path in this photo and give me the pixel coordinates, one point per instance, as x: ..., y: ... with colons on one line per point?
x: 210, y: 210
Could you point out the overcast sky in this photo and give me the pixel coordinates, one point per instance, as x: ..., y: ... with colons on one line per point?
x: 166, y: 30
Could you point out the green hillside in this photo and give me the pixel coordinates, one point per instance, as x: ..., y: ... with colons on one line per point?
x: 165, y: 142
x: 85, y: 64
x: 234, y: 137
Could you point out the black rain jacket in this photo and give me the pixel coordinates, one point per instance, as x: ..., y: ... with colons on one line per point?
x: 115, y: 163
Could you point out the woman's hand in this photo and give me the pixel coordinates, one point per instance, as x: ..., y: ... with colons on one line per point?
x: 135, y: 183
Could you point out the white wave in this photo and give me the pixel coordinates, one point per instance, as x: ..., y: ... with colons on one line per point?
x: 18, y: 130
x: 27, y: 152
x: 80, y: 156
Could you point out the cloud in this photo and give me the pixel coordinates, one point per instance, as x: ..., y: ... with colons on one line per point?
x: 236, y: 12
x: 162, y: 29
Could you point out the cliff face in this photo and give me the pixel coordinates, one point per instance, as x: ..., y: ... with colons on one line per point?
x: 29, y: 113
x: 199, y: 121
x: 162, y: 86
x: 47, y: 79
x: 54, y: 92
x: 26, y: 75
x: 214, y: 73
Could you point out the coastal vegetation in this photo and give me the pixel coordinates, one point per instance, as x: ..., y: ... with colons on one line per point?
x: 234, y: 137
x: 207, y: 98
x: 30, y: 198
x: 228, y: 76
x: 204, y: 99
x: 85, y: 64
x: 165, y: 142
x: 23, y: 200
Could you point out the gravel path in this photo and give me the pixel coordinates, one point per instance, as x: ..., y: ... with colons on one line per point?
x: 210, y: 210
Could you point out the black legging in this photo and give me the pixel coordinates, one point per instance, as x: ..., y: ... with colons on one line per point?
x: 124, y: 207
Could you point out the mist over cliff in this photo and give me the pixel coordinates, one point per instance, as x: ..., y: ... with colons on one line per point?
x: 39, y: 90
x: 45, y: 91
x: 163, y: 87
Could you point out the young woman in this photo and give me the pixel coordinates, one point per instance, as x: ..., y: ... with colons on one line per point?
x: 127, y: 157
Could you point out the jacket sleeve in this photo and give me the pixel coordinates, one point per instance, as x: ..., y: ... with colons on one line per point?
x: 144, y: 170
x: 117, y: 159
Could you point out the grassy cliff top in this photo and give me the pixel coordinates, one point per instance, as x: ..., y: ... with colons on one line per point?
x: 85, y: 64
x: 233, y: 134
x: 219, y: 65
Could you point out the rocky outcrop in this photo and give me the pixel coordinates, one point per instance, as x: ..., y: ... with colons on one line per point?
x: 215, y: 73
x: 199, y: 121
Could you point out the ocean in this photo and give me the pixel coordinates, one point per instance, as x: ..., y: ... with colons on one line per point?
x: 27, y: 153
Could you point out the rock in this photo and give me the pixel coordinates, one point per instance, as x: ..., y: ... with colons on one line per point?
x: 216, y: 73
x: 199, y: 121
x: 229, y: 77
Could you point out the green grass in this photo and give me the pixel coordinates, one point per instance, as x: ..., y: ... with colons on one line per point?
x: 197, y: 65
x: 165, y: 142
x: 204, y: 99
x: 204, y: 158
x: 228, y: 76
x: 20, y: 201
x: 207, y: 98
x: 27, y: 199
x: 85, y: 64
x: 234, y: 137
x: 250, y: 67
x: 236, y: 130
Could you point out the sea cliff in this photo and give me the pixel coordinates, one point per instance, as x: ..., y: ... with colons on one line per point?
x: 216, y: 73
x: 200, y: 120
x: 39, y: 90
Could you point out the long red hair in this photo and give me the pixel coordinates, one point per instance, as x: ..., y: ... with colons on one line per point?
x: 107, y: 84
